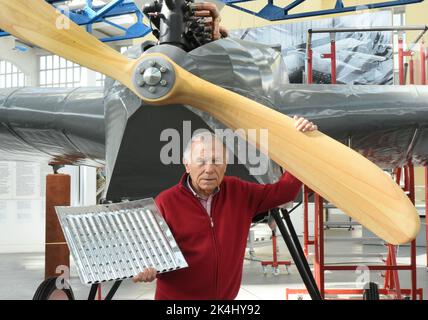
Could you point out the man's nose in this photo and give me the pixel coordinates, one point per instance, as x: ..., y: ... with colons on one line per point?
x: 209, y: 167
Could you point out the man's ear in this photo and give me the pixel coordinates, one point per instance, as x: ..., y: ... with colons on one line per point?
x: 186, y: 165
x: 225, y: 168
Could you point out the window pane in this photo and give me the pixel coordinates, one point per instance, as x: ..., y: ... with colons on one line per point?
x: 63, y: 75
x: 2, y: 67
x: 83, y: 77
x: 43, y: 63
x: 49, y: 62
x: 70, y: 75
x: 62, y: 63
x: 49, y: 77
x: 42, y: 77
x: 14, y: 69
x: 56, y: 76
x: 8, y: 67
x: 14, y: 80
x: 76, y: 75
x: 2, y: 81
x: 55, y: 62
x: 8, y: 80
x: 69, y: 64
x: 21, y: 80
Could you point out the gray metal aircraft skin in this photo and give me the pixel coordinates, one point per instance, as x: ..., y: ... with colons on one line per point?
x: 111, y: 127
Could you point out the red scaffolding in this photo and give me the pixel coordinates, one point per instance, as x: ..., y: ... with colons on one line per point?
x: 391, y: 282
x: 275, y: 263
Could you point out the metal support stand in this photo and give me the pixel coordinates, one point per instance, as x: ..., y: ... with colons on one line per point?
x: 113, y: 290
x: 274, y: 262
x: 93, y: 291
x: 296, y: 252
x: 95, y: 288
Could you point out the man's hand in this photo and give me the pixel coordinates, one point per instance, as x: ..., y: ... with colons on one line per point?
x: 303, y: 124
x: 148, y: 275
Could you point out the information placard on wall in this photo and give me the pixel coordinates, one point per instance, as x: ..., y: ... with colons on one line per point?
x: 22, y: 203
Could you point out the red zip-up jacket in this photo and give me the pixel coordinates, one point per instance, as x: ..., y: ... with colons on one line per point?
x: 214, y: 250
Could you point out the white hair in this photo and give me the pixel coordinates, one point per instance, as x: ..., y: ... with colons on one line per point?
x: 207, y: 138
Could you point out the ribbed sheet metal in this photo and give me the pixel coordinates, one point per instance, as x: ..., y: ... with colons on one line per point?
x: 117, y: 241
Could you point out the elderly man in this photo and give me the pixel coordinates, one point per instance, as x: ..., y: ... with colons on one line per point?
x: 210, y: 215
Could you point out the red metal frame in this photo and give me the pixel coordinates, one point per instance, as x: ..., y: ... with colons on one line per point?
x: 423, y: 60
x: 288, y: 292
x: 391, y: 283
x: 332, y: 56
x: 310, y: 62
x: 426, y: 212
x: 306, y: 241
x: 400, y: 60
x: 423, y: 57
x: 274, y: 262
x: 412, y: 72
x: 401, y: 55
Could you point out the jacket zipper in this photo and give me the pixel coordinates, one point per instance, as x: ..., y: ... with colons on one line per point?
x: 215, y: 248
x: 213, y: 237
x: 210, y: 217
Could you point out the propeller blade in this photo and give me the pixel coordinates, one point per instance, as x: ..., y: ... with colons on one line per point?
x: 39, y: 23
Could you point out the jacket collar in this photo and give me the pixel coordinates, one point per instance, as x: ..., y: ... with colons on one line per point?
x: 185, y: 184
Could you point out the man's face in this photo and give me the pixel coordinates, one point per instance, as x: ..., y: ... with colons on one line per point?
x: 207, y: 166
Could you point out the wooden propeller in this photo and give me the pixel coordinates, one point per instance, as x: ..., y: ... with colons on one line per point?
x: 339, y: 174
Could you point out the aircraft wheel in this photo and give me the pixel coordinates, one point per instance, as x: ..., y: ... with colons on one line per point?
x: 372, y: 292
x: 48, y: 290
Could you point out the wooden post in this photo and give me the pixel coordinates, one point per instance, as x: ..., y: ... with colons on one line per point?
x: 56, y: 249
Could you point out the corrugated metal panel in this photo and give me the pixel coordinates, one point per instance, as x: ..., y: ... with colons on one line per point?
x: 117, y: 241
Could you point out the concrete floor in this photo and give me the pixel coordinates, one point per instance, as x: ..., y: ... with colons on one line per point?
x: 20, y: 274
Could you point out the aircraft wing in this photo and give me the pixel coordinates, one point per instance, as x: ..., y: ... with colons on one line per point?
x: 52, y: 125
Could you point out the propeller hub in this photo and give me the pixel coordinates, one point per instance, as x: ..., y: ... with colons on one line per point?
x: 153, y: 77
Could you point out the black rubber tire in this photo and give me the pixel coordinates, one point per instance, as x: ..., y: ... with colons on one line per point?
x: 47, y: 290
x: 371, y: 292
